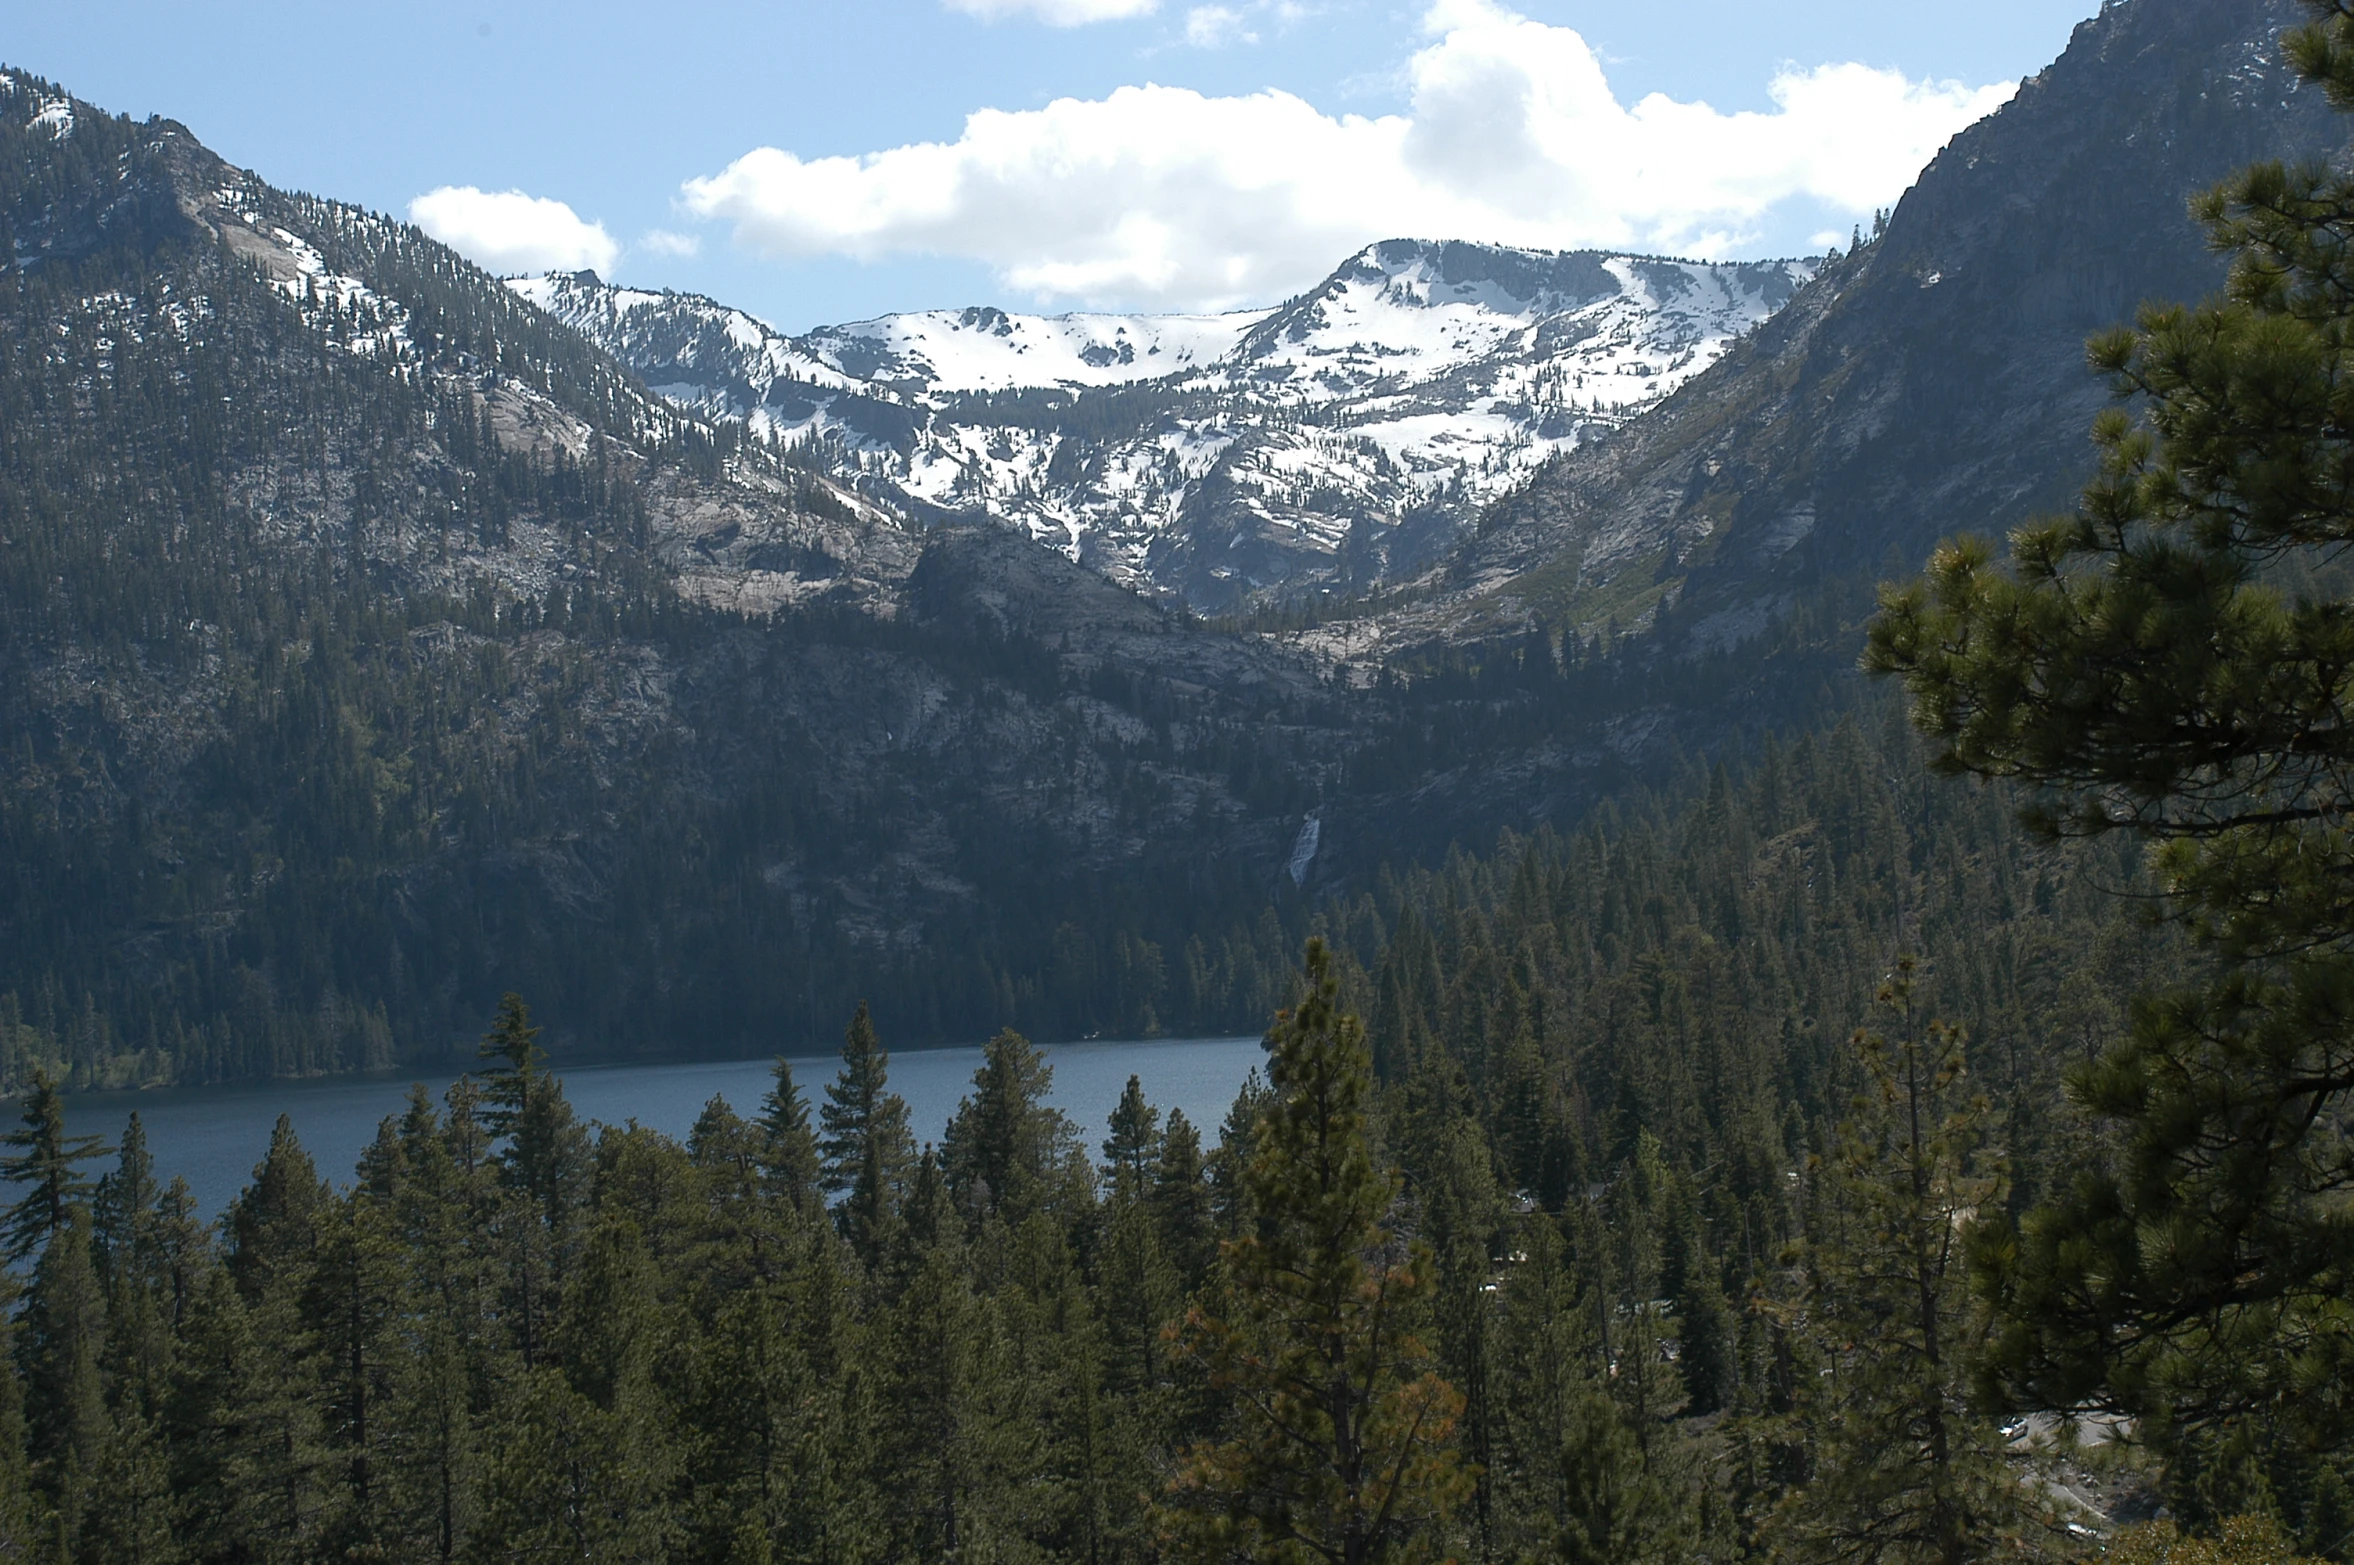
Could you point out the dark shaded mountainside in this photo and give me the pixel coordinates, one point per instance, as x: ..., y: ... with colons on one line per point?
x: 370, y: 643
x: 1933, y: 381
x: 1727, y: 544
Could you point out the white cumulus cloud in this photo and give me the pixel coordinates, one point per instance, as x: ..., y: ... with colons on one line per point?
x: 1057, y: 13
x: 1165, y: 196
x: 508, y: 231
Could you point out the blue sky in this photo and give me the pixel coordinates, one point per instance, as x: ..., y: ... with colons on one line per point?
x: 818, y: 163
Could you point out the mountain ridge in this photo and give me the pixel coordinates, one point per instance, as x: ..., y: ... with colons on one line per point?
x: 1932, y: 382
x: 1327, y: 441
x: 370, y: 644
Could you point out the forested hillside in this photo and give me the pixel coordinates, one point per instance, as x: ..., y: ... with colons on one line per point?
x: 1619, y: 1057
x: 368, y: 642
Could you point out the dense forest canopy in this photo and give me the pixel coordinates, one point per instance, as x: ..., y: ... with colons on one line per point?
x: 1610, y: 1071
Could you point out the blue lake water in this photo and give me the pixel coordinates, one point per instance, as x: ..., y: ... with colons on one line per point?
x: 213, y: 1136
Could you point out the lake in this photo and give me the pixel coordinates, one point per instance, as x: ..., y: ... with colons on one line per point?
x: 213, y: 1136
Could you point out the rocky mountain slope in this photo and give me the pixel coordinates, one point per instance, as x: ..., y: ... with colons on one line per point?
x: 371, y: 643
x: 1931, y: 383
x: 1323, y: 446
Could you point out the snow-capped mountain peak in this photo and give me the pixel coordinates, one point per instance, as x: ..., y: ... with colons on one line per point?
x: 1409, y: 311
x: 987, y: 349
x: 703, y: 340
x: 1332, y: 441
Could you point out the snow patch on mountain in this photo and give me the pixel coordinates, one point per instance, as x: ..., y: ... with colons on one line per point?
x: 50, y: 112
x: 344, y: 310
x: 987, y: 349
x: 705, y: 344
x: 1330, y: 443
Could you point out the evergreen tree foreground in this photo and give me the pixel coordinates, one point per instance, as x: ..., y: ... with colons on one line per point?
x: 2170, y: 664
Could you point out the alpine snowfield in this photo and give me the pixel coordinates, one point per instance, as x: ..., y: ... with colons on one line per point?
x: 1330, y: 444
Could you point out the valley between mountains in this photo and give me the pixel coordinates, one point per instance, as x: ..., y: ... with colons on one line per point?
x: 377, y: 635
x: 1585, y: 1075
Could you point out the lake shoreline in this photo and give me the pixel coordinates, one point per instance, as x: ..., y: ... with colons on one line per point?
x: 569, y: 1065
x: 214, y: 1135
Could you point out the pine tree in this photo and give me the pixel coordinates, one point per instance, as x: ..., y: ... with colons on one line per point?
x: 143, y: 1256
x: 2167, y: 663
x: 1704, y: 1320
x: 45, y: 1159
x: 274, y: 1224
x: 1904, y: 1469
x: 727, y: 1152
x: 842, y: 1497
x: 358, y: 1303
x: 1573, y: 1483
x: 1637, y: 1335
x: 1227, y: 1169
x: 569, y: 1480
x: 789, y: 1147
x: 543, y: 1159
x: 755, y: 1408
x: 134, y: 1523
x: 1141, y: 1286
x: 1132, y: 1145
x: 1070, y: 1477
x: 1006, y: 1151
x: 524, y: 1107
x: 1180, y: 1201
x: 941, y: 1436
x: 1340, y: 1444
x: 136, y: 1267
x: 1462, y: 1214
x: 17, y: 1520
x: 620, y: 1344
x: 865, y: 1145
x: 63, y: 1340
x: 268, y: 1399
x: 441, y: 1210
x: 584, y: 1462
x: 122, y: 1211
